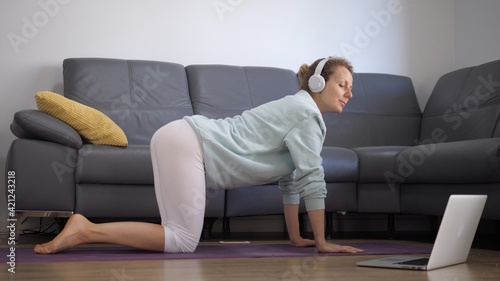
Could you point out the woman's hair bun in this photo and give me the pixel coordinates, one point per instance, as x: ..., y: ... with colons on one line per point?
x: 303, y: 71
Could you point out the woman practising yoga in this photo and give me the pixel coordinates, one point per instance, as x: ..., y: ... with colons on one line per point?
x: 277, y: 141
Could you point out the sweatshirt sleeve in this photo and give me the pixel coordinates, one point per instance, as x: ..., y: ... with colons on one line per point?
x: 305, y: 142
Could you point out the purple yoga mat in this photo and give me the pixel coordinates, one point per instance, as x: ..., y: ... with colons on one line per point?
x: 216, y: 251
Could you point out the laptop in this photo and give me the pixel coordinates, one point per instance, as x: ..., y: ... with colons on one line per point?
x: 453, y: 241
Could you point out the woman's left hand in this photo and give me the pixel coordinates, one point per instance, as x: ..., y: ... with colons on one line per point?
x: 333, y: 248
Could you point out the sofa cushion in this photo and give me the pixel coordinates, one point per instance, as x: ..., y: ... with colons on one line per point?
x: 90, y: 123
x: 383, y: 111
x: 464, y: 105
x: 139, y: 96
x: 470, y: 161
x: 219, y: 91
x: 116, y: 201
x: 254, y: 200
x: 432, y: 198
x: 378, y: 198
x: 114, y: 165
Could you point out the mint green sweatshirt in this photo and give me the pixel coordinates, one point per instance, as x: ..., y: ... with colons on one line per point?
x: 277, y: 141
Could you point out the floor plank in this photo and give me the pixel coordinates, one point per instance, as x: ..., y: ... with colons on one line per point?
x: 483, y: 264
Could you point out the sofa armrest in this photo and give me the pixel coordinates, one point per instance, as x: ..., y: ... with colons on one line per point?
x: 34, y: 124
x: 377, y: 163
x: 45, y: 175
x: 340, y: 164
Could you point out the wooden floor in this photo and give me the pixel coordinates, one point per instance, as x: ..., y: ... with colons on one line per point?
x: 483, y: 264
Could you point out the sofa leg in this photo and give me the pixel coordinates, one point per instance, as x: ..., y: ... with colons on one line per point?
x: 302, y: 228
x: 497, y: 233
x: 226, y: 230
x: 208, y: 224
x: 329, y: 225
x: 285, y: 229
x: 435, y: 223
x: 301, y: 225
x: 391, y: 226
x: 22, y: 215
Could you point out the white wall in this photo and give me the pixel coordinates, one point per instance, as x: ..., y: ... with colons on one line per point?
x: 477, y: 32
x: 413, y: 38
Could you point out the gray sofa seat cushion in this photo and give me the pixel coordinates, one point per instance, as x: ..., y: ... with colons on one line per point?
x: 254, y: 200
x: 431, y: 199
x: 114, y: 165
x: 470, y: 161
x: 139, y: 96
x: 101, y: 200
x: 34, y: 124
x: 340, y: 165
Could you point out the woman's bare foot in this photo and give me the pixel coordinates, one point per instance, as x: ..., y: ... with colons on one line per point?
x: 72, y: 235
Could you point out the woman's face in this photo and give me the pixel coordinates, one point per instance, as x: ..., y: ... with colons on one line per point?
x: 337, y: 91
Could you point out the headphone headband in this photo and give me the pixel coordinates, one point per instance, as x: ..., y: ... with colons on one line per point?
x: 321, y: 64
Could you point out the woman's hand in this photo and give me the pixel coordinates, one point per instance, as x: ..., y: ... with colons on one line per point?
x: 333, y: 248
x: 301, y: 242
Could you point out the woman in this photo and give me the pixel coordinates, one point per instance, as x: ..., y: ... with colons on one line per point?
x: 280, y: 140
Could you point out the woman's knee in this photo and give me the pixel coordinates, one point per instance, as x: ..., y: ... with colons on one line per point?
x: 179, y: 240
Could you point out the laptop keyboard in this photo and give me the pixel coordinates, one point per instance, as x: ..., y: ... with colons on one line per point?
x: 422, y: 261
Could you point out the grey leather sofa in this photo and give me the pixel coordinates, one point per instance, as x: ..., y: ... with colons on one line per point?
x: 381, y: 155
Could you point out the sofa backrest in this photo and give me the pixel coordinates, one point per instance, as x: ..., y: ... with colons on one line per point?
x: 464, y: 105
x: 219, y: 91
x: 140, y: 96
x: 383, y: 111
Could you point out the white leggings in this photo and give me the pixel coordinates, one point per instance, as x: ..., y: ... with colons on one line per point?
x: 179, y: 178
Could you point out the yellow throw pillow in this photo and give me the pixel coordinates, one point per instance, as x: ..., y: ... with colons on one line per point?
x: 90, y: 123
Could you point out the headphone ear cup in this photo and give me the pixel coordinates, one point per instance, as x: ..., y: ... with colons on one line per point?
x: 316, y: 83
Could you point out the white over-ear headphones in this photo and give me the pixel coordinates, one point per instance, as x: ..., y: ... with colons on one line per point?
x: 317, y: 82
